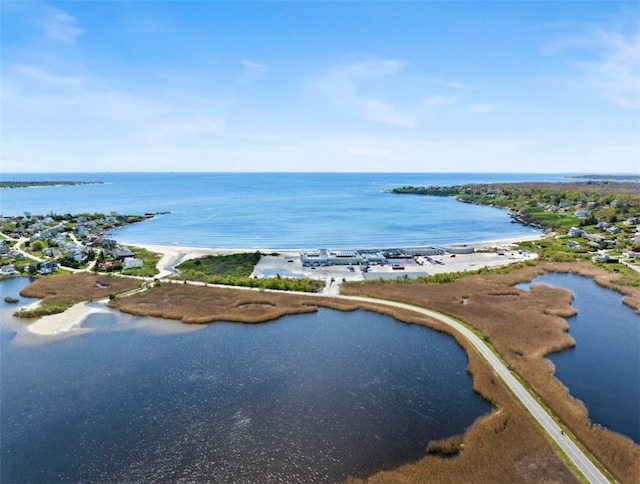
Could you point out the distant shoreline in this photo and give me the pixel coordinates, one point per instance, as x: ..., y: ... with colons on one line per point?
x: 44, y: 184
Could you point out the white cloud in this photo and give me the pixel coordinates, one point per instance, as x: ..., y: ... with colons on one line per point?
x: 435, y: 101
x: 452, y: 84
x: 37, y: 74
x: 59, y: 26
x: 344, y: 87
x: 484, y: 108
x: 252, y: 70
x: 612, y: 67
x: 617, y: 72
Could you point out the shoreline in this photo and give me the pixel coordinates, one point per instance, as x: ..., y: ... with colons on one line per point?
x: 73, y: 318
x: 170, y: 252
x: 68, y: 321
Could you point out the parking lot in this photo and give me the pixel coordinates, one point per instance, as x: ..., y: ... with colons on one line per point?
x: 290, y: 265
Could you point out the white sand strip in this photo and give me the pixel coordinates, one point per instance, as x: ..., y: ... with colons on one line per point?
x: 69, y: 320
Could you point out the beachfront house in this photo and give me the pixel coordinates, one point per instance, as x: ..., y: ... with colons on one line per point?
x: 121, y: 253
x: 8, y: 270
x: 132, y: 263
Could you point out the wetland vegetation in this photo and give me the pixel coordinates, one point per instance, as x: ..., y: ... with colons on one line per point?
x: 236, y: 270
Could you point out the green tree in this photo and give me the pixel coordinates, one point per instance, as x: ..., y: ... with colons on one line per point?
x: 38, y: 245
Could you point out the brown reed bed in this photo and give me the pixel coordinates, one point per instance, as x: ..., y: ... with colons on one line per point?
x: 65, y: 290
x: 524, y: 327
x: 505, y: 446
x: 502, y: 446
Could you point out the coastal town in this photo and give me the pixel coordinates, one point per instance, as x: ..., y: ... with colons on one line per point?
x: 43, y: 244
x: 582, y: 221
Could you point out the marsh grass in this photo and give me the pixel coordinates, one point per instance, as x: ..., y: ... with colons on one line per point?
x: 504, y: 446
x: 524, y: 327
x: 59, y: 293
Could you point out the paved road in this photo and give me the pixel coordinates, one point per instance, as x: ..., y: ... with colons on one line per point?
x: 579, y: 459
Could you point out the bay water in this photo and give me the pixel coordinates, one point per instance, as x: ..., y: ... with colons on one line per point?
x: 276, y: 210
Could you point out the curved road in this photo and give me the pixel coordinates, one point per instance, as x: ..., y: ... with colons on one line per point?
x: 571, y: 450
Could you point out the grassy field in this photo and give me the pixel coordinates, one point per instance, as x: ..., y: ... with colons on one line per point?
x: 232, y: 265
x: 150, y: 260
x: 235, y: 269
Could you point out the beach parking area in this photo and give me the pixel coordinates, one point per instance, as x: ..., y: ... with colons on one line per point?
x: 289, y: 264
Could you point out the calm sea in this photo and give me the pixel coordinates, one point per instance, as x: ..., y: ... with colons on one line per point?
x: 276, y: 210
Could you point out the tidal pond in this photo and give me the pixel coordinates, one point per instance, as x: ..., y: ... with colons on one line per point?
x: 603, y: 370
x: 308, y: 398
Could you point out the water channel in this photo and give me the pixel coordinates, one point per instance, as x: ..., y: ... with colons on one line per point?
x: 309, y: 398
x: 603, y: 370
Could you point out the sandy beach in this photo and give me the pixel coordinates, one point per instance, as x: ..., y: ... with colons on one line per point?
x: 173, y: 255
x: 72, y: 318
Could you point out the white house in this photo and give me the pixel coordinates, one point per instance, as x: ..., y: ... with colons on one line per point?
x: 575, y: 232
x: 8, y: 270
x: 132, y: 263
x: 600, y: 258
x: 48, y: 267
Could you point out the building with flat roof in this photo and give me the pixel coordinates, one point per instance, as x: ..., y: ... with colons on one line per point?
x: 314, y: 257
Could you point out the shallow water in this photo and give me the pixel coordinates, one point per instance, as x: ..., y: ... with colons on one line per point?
x: 603, y: 370
x: 308, y: 398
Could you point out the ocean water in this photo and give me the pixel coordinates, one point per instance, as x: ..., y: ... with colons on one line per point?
x: 276, y: 210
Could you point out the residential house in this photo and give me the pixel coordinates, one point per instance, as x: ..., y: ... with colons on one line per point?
x: 132, y: 263
x: 600, y: 258
x: 8, y: 270
x: 575, y: 232
x: 121, y: 253
x: 48, y: 267
x: 594, y: 237
x: 109, y: 244
x: 52, y: 252
x: 80, y: 254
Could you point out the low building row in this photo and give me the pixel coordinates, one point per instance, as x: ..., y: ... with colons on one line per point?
x: 367, y: 257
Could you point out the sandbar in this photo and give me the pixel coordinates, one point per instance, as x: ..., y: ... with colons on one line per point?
x: 69, y: 320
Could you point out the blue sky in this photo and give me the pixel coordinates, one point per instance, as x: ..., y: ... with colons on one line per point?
x: 320, y: 86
